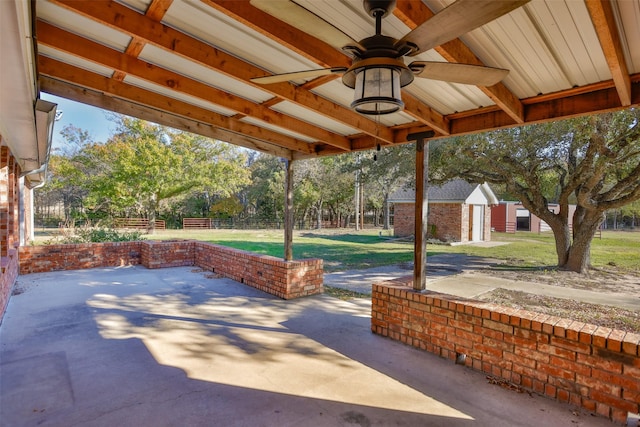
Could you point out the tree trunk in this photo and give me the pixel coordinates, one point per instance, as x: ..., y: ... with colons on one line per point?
x: 585, y: 225
x: 387, y: 224
x: 319, y: 216
x: 151, y: 214
x: 562, y: 234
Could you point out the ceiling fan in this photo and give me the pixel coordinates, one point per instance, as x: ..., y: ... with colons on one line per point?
x: 378, y: 70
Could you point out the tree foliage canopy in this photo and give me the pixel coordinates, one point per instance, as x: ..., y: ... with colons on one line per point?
x: 592, y: 161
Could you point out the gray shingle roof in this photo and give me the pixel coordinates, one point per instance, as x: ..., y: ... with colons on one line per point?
x: 456, y: 190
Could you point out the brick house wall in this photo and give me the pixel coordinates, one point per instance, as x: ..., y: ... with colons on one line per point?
x: 585, y: 365
x: 9, y: 225
x: 403, y: 219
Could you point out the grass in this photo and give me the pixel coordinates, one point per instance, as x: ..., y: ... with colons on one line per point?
x: 347, y: 249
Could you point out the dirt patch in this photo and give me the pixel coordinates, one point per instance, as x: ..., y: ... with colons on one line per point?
x: 598, y: 280
x: 601, y: 315
x: 609, y: 281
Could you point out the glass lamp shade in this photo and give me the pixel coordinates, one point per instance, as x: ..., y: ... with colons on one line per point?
x: 377, y: 91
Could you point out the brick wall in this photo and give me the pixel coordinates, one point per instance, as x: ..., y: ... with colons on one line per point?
x: 285, y: 279
x: 9, y: 231
x: 167, y: 253
x: 403, y: 219
x: 447, y: 218
x: 40, y: 259
x: 451, y: 221
x: 585, y: 365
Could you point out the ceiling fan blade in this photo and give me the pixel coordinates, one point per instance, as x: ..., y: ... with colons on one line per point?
x: 468, y: 74
x: 457, y: 19
x: 285, y: 77
x: 299, y: 17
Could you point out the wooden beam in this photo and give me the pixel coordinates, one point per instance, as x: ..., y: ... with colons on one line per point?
x: 604, y: 22
x: 421, y: 209
x: 124, y: 19
x: 65, y: 41
x: 292, y: 38
x: 425, y: 115
x: 602, y: 98
x: 156, y: 11
x: 60, y: 71
x: 315, y: 50
x: 414, y: 13
x: 100, y: 100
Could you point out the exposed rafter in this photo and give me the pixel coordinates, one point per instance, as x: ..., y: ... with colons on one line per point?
x: 414, y: 13
x: 292, y: 120
x: 601, y: 12
x: 318, y: 51
x: 95, y: 82
x: 136, y: 25
x: 68, y: 42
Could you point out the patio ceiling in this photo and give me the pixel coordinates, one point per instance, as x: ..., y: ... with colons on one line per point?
x: 188, y: 64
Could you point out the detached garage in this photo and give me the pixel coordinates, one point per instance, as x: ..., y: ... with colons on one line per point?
x: 457, y: 211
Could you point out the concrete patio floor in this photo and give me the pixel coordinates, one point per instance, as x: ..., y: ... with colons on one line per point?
x: 180, y: 347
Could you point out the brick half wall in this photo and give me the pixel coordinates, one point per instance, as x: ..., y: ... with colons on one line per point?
x: 285, y: 279
x: 585, y: 365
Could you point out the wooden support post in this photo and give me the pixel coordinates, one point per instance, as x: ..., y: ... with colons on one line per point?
x: 288, y: 211
x: 422, y: 179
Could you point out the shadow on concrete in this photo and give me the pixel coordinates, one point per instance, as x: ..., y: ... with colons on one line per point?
x: 139, y: 347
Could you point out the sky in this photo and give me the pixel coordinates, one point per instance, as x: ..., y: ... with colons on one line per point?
x: 92, y: 119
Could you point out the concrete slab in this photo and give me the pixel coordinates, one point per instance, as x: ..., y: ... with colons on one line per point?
x: 133, y: 347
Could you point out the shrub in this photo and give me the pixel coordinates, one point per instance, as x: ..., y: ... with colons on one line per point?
x: 96, y: 235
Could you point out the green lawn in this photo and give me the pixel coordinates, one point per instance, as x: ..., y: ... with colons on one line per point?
x: 347, y: 249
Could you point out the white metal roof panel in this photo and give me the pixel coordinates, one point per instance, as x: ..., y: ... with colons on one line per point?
x: 202, y: 74
x: 628, y: 14
x: 63, y: 18
x: 198, y: 20
x: 263, y: 124
x: 135, y: 81
x: 317, y: 119
x: 74, y: 60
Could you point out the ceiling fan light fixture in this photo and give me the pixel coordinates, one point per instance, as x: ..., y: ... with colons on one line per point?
x: 377, y: 91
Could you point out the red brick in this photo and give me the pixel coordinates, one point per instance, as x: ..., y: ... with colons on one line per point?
x: 631, y: 344
x: 586, y: 333
x: 600, y: 336
x: 615, y: 339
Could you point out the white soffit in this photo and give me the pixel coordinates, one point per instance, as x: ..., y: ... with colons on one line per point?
x: 78, y: 24
x: 17, y: 89
x: 201, y: 73
x: 135, y: 81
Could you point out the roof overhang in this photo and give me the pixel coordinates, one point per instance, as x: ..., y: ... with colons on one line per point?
x: 188, y: 64
x: 26, y: 122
